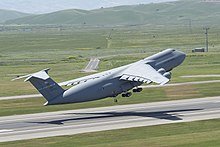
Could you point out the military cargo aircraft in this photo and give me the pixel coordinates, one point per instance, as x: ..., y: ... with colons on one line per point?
x: 111, y: 83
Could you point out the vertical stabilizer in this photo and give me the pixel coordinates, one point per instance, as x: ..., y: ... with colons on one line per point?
x: 45, y: 85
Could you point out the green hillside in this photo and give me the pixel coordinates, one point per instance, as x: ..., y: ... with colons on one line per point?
x: 7, y: 15
x: 179, y: 12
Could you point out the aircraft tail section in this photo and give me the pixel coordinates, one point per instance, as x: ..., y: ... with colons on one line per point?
x: 45, y: 85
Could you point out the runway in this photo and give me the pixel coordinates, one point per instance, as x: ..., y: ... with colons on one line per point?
x: 107, y: 118
x: 92, y: 65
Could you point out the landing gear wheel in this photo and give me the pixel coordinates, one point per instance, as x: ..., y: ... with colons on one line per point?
x: 128, y: 94
x: 134, y: 90
x: 137, y: 90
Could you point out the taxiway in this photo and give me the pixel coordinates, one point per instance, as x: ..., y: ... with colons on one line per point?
x: 146, y: 86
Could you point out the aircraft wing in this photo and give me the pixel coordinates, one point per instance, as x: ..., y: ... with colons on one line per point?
x: 79, y: 80
x: 143, y: 73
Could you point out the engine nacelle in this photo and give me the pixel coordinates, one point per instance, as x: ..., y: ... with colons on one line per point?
x: 167, y: 75
x: 161, y: 71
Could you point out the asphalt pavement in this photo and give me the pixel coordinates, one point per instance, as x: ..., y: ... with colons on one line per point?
x: 92, y: 65
x: 70, y: 122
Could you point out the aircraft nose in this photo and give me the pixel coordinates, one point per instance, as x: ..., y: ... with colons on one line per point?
x: 182, y: 56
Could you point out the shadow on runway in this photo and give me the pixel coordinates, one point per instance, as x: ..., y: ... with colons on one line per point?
x: 88, y: 116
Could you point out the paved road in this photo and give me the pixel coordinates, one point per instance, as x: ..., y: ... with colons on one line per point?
x: 92, y: 65
x: 179, y: 84
x: 200, y: 76
x: 20, y: 97
x: 147, y: 86
x: 107, y: 118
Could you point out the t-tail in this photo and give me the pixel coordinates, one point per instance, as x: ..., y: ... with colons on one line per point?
x: 45, y: 85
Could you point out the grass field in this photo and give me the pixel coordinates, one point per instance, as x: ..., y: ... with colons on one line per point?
x: 67, y: 52
x: 196, y: 134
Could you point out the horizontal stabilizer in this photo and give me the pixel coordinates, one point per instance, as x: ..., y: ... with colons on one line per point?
x: 20, y: 77
x: 43, y: 75
x: 40, y: 75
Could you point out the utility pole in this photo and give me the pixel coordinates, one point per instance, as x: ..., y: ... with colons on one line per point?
x: 206, y: 36
x: 190, y: 25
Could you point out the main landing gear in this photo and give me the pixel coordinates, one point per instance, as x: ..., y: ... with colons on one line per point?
x: 128, y: 94
x: 137, y: 90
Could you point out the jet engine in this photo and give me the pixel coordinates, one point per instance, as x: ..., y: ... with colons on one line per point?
x: 161, y: 71
x: 167, y: 75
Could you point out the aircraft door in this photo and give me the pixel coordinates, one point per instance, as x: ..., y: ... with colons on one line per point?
x: 110, y: 90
